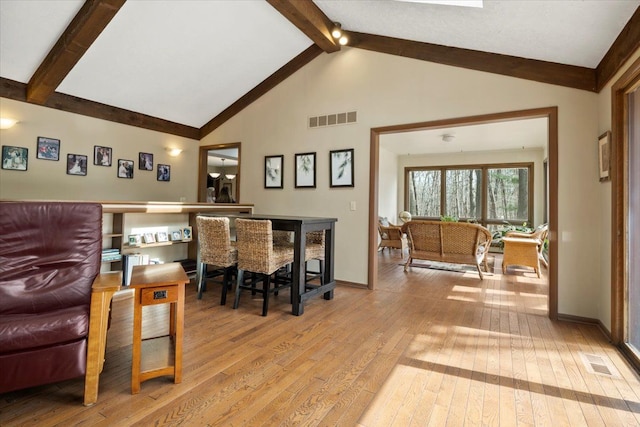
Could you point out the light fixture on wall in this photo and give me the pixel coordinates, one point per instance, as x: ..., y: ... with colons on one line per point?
x: 338, y: 34
x: 174, y: 152
x: 214, y: 175
x: 447, y: 137
x: 7, y: 122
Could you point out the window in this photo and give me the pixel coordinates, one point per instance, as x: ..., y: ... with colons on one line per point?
x: 488, y: 194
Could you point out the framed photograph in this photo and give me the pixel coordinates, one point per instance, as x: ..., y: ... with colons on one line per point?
x: 604, y: 159
x: 162, y: 236
x: 341, y: 168
x: 48, y: 149
x: 77, y: 164
x: 125, y: 168
x: 15, y: 158
x: 145, y: 161
x: 176, y: 235
x: 164, y: 172
x: 186, y: 234
x: 273, y: 171
x: 305, y: 176
x: 101, y: 156
x: 135, y: 240
x: 149, y: 238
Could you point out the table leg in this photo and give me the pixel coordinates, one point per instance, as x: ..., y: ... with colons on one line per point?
x: 137, y: 343
x: 179, y: 329
x: 298, y: 273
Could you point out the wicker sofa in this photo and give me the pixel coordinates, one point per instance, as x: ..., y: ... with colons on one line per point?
x: 453, y: 242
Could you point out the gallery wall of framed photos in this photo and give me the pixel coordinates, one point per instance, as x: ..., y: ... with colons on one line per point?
x: 56, y: 155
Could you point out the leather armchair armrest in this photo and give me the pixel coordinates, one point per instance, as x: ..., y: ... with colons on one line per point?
x: 102, y: 290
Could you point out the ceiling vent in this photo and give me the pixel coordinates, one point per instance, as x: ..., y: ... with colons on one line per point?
x: 333, y: 119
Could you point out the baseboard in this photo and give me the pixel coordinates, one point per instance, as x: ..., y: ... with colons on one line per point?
x: 586, y: 321
x: 351, y: 284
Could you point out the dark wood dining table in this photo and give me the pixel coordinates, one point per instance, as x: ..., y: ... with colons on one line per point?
x: 300, y: 225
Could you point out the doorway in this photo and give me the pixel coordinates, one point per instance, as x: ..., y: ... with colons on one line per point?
x: 551, y: 116
x: 219, y: 172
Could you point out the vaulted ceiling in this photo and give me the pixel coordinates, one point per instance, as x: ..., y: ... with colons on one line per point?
x: 185, y: 67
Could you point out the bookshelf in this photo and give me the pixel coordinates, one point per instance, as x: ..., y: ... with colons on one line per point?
x: 119, y: 218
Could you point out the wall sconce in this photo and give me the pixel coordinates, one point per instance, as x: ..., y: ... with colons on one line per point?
x: 174, y: 152
x: 6, y: 122
x: 337, y: 34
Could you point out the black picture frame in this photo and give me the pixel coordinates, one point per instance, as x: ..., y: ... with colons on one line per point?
x: 48, y: 149
x: 102, y: 156
x: 15, y: 158
x: 164, y: 173
x: 341, y: 168
x: 145, y: 161
x: 77, y: 164
x: 125, y: 168
x: 273, y: 171
x: 305, y: 170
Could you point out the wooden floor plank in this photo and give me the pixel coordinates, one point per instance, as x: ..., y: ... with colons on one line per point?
x: 428, y: 347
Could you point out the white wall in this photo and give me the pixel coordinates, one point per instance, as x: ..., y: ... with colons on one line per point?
x: 535, y: 156
x: 46, y: 179
x: 388, y: 90
x: 388, y: 184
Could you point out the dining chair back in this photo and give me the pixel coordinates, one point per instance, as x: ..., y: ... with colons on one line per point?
x: 216, y: 249
x: 258, y: 254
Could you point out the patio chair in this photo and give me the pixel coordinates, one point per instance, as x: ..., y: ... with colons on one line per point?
x: 391, y: 236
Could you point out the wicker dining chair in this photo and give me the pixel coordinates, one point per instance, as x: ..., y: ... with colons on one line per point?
x: 258, y: 254
x: 216, y: 249
x: 314, y: 250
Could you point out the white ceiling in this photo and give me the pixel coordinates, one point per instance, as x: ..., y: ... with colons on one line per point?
x: 186, y: 61
x: 511, y: 135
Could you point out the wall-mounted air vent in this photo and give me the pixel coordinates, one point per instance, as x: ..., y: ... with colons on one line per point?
x: 333, y: 119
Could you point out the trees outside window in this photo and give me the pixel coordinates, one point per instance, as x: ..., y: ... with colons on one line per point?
x: 488, y: 194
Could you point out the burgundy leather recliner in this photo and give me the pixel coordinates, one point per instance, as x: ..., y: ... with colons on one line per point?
x: 50, y: 254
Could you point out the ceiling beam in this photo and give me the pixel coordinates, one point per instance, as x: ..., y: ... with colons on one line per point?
x: 17, y: 91
x: 309, y: 19
x: 265, y: 86
x: 83, y: 30
x: 627, y: 42
x: 530, y: 69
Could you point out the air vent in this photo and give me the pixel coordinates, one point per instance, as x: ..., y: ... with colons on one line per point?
x: 599, y: 365
x: 333, y: 119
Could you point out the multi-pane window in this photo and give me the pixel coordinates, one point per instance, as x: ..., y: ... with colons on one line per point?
x: 489, y: 194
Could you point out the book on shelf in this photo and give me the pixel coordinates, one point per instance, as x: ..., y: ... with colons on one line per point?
x: 111, y: 254
x: 128, y: 262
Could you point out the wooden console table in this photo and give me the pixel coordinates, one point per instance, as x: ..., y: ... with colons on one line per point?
x: 158, y: 284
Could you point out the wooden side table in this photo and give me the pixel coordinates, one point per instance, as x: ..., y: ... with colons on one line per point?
x: 521, y: 251
x: 158, y: 284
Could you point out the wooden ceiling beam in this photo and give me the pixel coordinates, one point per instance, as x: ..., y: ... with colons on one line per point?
x: 265, y: 86
x: 530, y: 69
x: 309, y: 19
x: 83, y: 30
x: 17, y: 91
x: 627, y: 42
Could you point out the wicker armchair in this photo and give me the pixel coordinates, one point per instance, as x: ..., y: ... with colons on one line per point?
x: 540, y: 234
x: 258, y: 254
x: 217, y: 249
x: 391, y: 236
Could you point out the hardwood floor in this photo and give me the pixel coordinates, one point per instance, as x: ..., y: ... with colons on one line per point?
x: 428, y: 348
